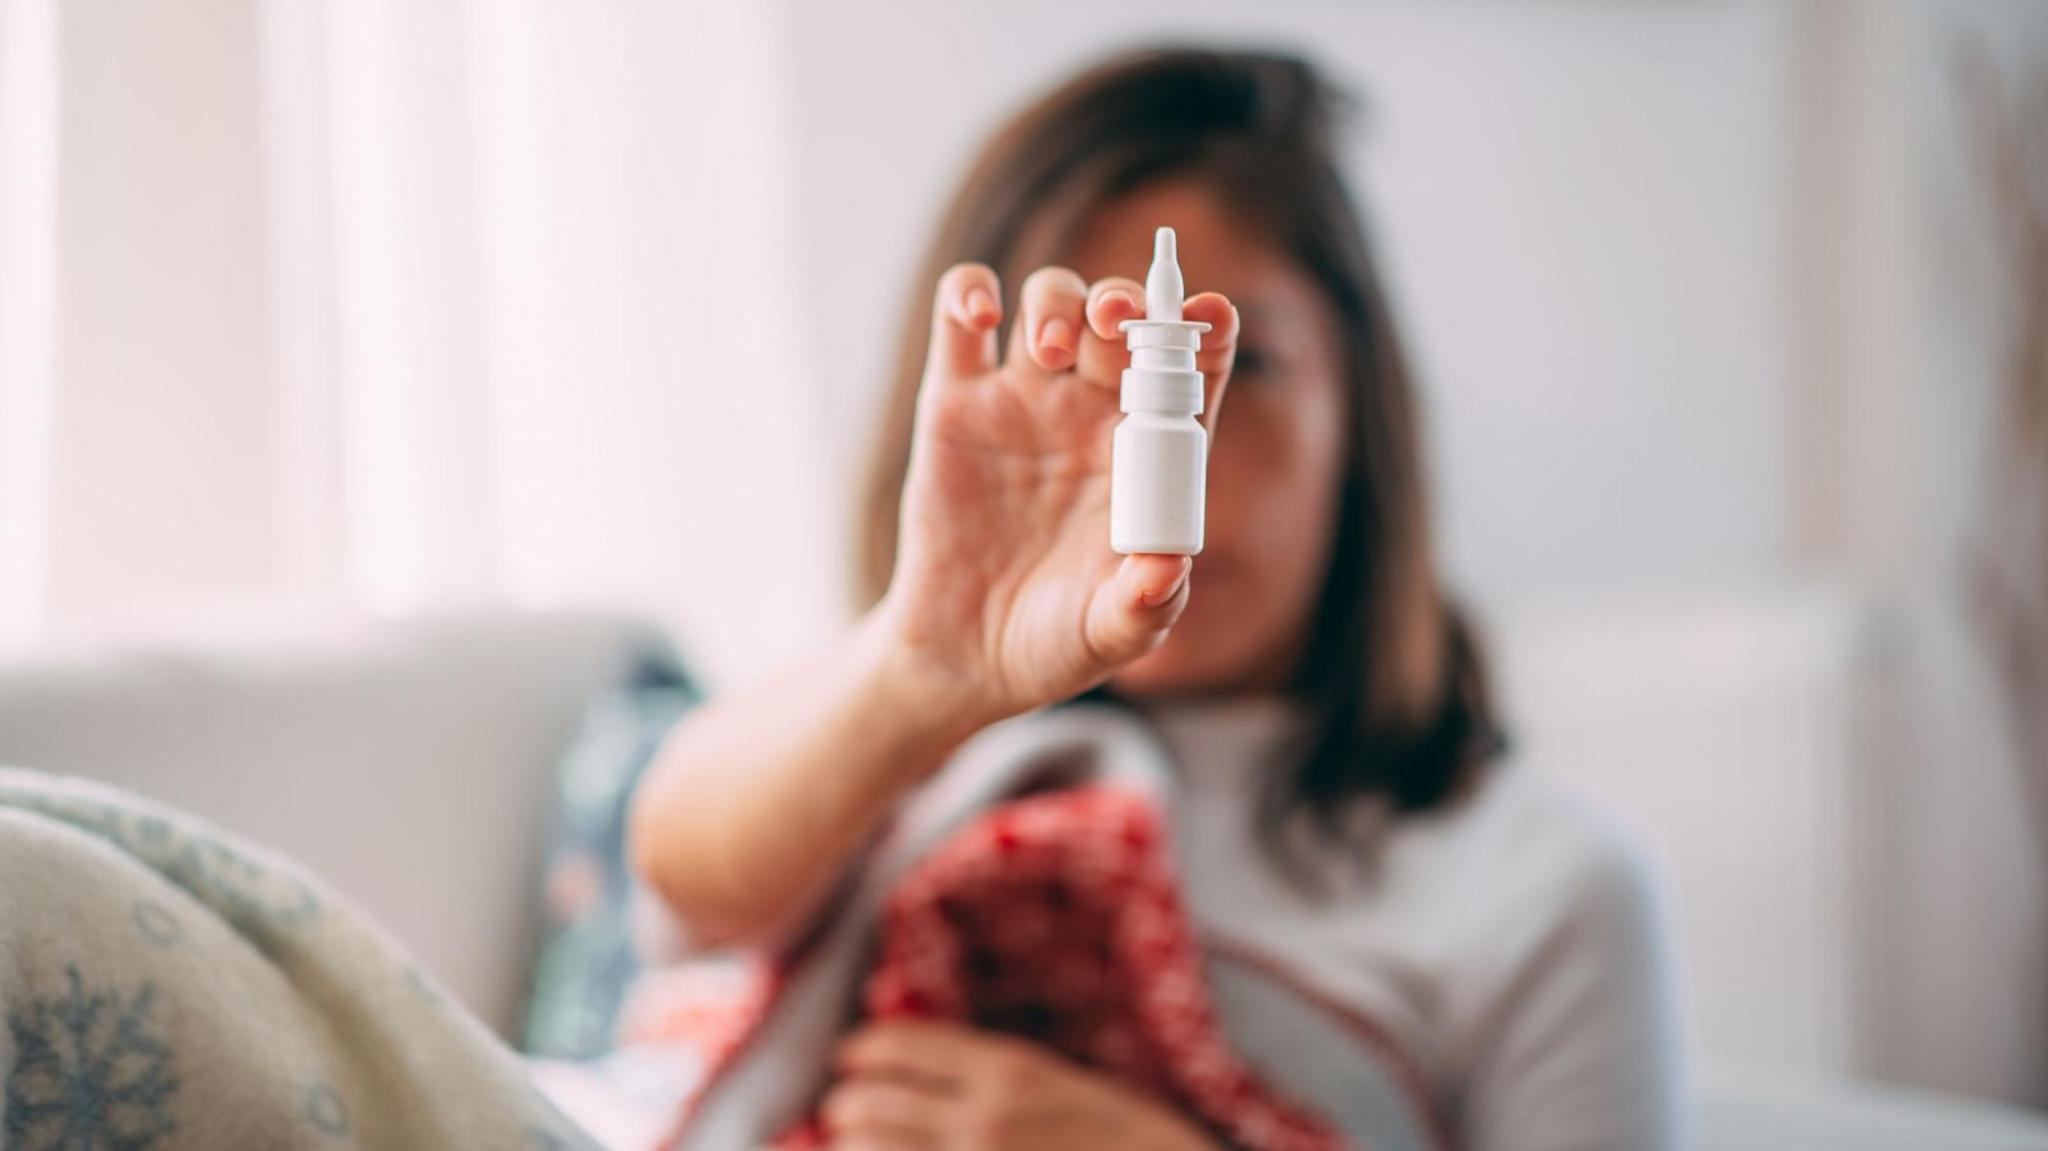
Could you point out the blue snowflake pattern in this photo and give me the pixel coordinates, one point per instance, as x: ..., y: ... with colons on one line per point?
x: 260, y: 901
x: 325, y: 1109
x: 90, y: 1072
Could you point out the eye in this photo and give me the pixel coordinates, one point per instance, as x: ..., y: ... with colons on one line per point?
x: 1254, y: 364
x: 1260, y: 365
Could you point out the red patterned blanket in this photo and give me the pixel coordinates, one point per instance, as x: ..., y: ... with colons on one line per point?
x: 1056, y: 917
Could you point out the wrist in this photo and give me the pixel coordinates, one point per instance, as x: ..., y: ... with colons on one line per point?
x: 931, y: 706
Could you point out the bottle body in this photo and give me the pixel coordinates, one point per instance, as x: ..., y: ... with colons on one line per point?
x: 1158, y: 468
x: 1159, y: 456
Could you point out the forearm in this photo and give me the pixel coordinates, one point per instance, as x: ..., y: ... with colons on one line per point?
x: 756, y: 800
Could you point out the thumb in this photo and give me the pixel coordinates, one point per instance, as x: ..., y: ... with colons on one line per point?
x: 1132, y: 610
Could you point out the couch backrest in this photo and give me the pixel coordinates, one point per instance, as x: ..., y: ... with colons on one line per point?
x: 405, y: 762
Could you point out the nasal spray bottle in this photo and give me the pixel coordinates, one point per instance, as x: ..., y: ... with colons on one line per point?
x: 1159, y: 456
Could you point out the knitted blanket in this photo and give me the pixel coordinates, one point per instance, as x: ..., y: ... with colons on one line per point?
x: 1036, y: 896
x: 167, y: 987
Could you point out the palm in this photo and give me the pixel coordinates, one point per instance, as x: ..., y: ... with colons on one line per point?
x: 1004, y: 577
x: 1006, y: 517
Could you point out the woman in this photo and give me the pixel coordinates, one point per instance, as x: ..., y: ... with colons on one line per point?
x: 1326, y: 708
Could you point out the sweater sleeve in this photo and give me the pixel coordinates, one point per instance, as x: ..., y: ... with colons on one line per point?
x: 1580, y: 1052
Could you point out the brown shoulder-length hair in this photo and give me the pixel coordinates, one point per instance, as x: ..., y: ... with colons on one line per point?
x: 1391, y: 673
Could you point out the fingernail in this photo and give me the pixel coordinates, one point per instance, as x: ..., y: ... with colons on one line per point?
x: 1056, y: 333
x: 1162, y: 595
x: 979, y: 304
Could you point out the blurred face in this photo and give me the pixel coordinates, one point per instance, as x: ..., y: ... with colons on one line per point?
x: 1277, y: 454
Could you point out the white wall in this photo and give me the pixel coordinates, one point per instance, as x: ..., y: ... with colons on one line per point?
x: 657, y: 444
x: 1580, y: 205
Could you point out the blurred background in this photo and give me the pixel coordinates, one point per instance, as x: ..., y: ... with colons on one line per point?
x: 1732, y: 318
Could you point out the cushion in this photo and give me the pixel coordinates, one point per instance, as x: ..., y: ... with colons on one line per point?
x: 586, y: 957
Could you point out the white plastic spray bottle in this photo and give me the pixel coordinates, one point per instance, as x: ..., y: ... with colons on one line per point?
x: 1160, y: 454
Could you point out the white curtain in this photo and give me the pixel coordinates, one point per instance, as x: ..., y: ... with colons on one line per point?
x: 27, y: 121
x: 313, y: 308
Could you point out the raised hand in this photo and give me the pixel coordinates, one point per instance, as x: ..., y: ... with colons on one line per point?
x: 1005, y: 585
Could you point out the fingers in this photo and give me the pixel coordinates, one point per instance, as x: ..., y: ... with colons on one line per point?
x: 1131, y: 612
x: 874, y: 1112
x: 930, y: 1052
x: 1219, y: 348
x: 1111, y: 301
x: 873, y: 1140
x: 1103, y: 355
x: 1068, y: 325
x: 1065, y: 325
x: 1051, y: 304
x: 966, y: 310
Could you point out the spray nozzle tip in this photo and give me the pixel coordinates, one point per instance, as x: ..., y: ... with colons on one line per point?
x: 1163, y: 284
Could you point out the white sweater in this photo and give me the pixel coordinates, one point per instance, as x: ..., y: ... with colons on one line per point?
x: 1512, y: 947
